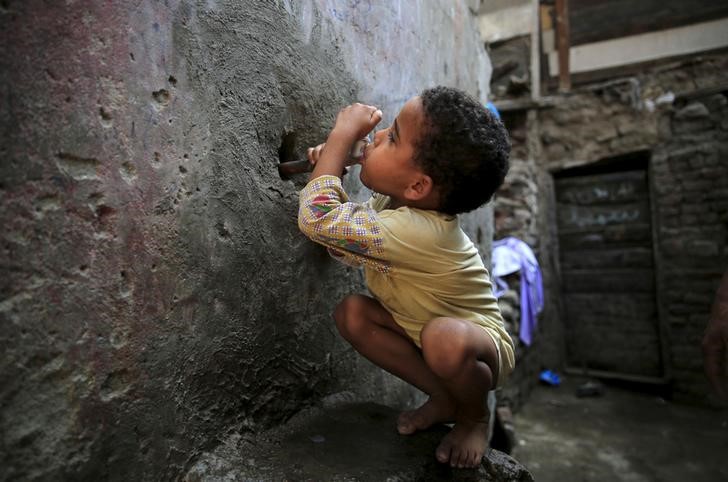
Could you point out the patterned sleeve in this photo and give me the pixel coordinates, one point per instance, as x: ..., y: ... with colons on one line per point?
x: 351, y: 231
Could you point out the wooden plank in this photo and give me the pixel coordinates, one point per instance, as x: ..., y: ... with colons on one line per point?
x: 610, y: 348
x: 613, y: 236
x: 602, y: 177
x: 663, y: 44
x: 601, y: 281
x: 606, y: 342
x: 535, y: 72
x: 620, y: 304
x: 563, y: 44
x: 603, y: 188
x: 599, y: 330
x: 607, y: 273
x: 634, y: 367
x: 511, y: 105
x: 627, y: 70
x: 571, y: 216
x: 630, y: 329
x: 600, y: 325
x: 597, y: 20
x: 610, y: 311
x: 634, y: 362
x: 626, y: 257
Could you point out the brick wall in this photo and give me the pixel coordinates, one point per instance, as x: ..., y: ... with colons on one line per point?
x: 676, y: 113
x: 690, y: 179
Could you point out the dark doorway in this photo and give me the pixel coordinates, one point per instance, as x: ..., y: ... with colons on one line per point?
x: 607, y: 269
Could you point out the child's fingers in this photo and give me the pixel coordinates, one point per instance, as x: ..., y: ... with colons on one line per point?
x: 375, y: 118
x: 313, y: 153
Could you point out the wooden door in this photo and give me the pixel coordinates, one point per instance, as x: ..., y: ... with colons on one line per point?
x: 607, y: 272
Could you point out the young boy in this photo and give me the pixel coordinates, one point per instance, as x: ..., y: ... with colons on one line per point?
x: 433, y: 320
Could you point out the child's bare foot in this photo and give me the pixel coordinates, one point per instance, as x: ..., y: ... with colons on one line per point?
x: 465, y: 445
x: 434, y: 410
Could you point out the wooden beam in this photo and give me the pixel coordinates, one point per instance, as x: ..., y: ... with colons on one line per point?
x: 597, y: 20
x: 535, y: 50
x: 513, y: 105
x: 562, y: 38
x: 584, y: 78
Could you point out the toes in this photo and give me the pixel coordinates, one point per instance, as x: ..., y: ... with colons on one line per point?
x: 461, y: 448
x: 480, y: 456
x: 405, y: 424
x: 473, y: 460
x: 405, y: 428
x: 457, y: 458
x: 443, y: 452
x: 463, y: 459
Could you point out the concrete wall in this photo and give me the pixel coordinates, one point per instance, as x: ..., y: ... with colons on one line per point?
x: 676, y: 113
x: 155, y: 293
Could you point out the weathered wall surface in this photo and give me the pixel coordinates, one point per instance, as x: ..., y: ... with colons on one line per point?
x: 155, y: 291
x: 521, y: 210
x: 690, y: 179
x: 676, y: 113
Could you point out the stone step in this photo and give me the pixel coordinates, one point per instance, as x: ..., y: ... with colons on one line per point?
x: 347, y: 442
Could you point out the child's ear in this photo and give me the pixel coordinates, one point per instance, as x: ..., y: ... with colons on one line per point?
x: 420, y: 188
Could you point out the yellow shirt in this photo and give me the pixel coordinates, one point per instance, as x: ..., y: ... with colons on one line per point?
x: 419, y: 264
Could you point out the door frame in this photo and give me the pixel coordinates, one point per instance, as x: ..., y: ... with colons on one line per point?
x: 645, y: 157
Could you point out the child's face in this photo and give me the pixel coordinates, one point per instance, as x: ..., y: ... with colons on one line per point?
x: 387, y: 166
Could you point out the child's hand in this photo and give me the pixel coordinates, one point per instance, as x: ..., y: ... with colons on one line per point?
x: 352, y: 123
x: 356, y: 121
x: 313, y: 153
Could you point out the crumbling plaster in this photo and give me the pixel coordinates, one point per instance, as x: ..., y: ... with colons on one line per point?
x: 155, y: 291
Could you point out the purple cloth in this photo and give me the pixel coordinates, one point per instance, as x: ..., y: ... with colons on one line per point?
x: 511, y: 255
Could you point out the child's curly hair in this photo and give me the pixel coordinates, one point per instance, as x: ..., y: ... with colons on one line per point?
x: 463, y: 147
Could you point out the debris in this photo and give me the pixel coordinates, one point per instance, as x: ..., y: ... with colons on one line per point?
x: 590, y: 389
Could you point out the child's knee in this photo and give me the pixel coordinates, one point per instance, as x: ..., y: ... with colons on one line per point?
x: 349, y: 316
x: 446, y: 346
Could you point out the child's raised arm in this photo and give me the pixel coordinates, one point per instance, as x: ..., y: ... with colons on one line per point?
x: 351, y: 231
x: 352, y: 123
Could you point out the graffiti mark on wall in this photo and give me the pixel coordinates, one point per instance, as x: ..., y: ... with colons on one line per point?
x: 585, y: 218
x: 615, y: 192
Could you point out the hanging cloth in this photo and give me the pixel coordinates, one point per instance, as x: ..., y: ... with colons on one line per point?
x: 510, y: 255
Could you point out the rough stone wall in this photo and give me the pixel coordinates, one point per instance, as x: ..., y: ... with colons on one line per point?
x: 520, y: 211
x: 690, y: 179
x: 155, y: 293
x: 686, y: 137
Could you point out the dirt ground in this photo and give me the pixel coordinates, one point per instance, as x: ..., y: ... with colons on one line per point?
x: 623, y: 435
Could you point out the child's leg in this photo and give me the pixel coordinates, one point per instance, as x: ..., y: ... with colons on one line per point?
x: 372, y: 331
x: 465, y: 359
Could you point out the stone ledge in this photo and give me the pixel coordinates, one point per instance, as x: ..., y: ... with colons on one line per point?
x: 348, y: 442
